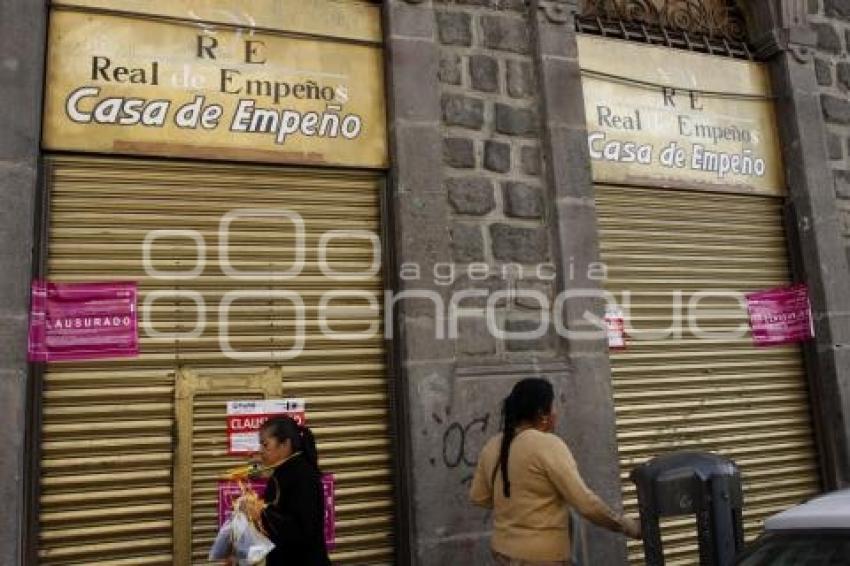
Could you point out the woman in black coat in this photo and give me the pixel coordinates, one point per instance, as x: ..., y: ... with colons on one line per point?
x: 294, y: 509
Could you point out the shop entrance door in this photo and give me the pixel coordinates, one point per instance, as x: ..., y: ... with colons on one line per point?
x: 116, y: 484
x: 690, y: 199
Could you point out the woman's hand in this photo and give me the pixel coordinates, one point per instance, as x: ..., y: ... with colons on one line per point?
x: 631, y: 528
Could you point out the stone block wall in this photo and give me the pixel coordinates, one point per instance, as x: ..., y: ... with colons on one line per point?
x: 23, y: 26
x: 492, y: 175
x: 475, y: 222
x: 831, y: 21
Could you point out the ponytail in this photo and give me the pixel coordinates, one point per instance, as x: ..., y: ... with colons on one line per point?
x: 530, y: 399
x: 308, y: 446
x: 508, y: 432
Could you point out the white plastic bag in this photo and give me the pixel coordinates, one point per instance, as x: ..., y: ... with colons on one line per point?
x: 250, y: 546
x: 222, y: 545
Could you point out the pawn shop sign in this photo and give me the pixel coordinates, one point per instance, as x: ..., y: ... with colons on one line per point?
x: 244, y: 419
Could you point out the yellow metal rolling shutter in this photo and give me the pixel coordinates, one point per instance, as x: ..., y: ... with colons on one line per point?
x: 685, y: 393
x: 201, y: 407
x: 108, y: 427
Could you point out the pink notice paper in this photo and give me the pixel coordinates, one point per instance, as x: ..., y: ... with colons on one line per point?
x: 83, y: 321
x: 330, y: 511
x: 229, y: 492
x: 780, y: 316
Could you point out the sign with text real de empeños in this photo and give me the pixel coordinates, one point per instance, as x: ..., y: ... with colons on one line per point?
x: 180, y: 88
x: 676, y: 119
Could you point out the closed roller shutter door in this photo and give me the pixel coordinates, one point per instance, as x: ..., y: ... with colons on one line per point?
x: 108, y: 436
x: 201, y: 454
x: 684, y: 393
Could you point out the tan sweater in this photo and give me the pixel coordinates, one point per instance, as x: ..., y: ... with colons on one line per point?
x: 533, y: 524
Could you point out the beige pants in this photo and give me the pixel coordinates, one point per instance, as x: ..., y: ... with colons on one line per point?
x: 502, y: 560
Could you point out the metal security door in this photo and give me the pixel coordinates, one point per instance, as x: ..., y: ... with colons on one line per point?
x: 108, y: 466
x: 685, y: 390
x: 201, y: 452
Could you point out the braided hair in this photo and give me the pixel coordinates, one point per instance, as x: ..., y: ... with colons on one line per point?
x: 530, y: 399
x: 285, y: 428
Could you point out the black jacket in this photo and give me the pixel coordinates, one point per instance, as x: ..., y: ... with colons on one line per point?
x: 294, y: 517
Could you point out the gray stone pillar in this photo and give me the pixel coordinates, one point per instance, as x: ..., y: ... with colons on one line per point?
x: 784, y: 39
x: 419, y: 235
x: 590, y: 414
x: 481, y: 184
x: 22, y: 41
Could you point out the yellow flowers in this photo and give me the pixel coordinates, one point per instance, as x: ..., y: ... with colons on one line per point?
x: 243, y: 472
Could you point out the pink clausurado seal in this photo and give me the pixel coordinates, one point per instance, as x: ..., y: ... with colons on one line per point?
x: 83, y: 321
x: 780, y: 316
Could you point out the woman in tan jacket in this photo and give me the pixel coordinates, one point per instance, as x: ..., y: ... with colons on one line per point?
x: 529, y: 478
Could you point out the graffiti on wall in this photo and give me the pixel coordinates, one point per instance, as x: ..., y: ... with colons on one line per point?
x: 461, y: 442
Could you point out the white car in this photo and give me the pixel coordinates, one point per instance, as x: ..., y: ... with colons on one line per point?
x: 816, y: 533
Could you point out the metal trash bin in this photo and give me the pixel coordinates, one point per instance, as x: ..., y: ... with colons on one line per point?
x: 683, y: 483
